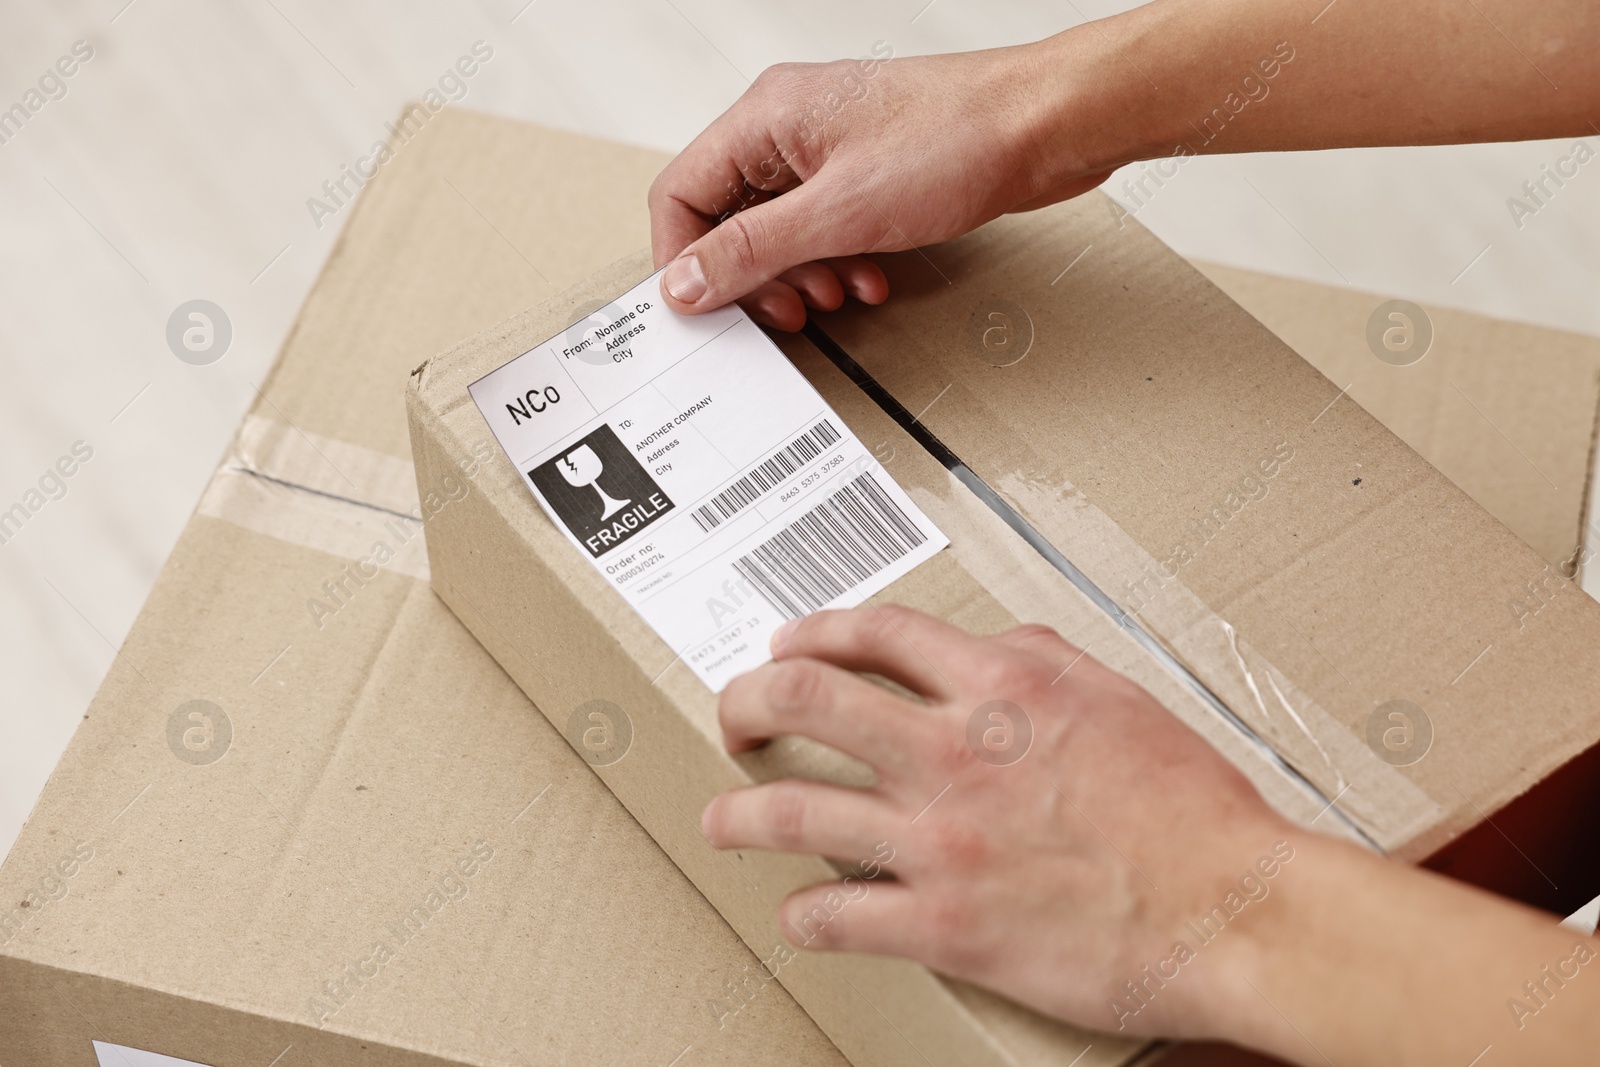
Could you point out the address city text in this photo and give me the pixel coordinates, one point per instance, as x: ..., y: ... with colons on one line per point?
x: 615, y: 334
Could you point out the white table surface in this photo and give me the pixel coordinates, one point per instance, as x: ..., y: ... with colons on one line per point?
x: 179, y: 163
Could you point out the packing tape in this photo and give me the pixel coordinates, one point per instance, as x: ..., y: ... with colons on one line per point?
x: 357, y: 503
x: 320, y: 493
x: 1253, y: 696
x: 1388, y: 806
x: 1022, y: 579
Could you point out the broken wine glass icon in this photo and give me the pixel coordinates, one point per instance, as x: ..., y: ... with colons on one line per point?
x: 582, y: 467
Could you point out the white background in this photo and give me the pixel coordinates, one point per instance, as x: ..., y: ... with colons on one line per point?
x: 179, y: 165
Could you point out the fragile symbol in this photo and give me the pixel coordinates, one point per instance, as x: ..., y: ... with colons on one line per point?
x: 582, y: 467
x: 629, y: 501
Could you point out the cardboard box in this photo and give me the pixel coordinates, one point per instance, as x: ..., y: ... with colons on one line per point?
x: 1507, y: 411
x: 1127, y: 416
x: 1511, y: 413
x: 210, y: 880
x: 362, y: 759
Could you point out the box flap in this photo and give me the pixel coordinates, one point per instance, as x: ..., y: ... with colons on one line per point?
x: 1505, y: 410
x: 1300, y: 558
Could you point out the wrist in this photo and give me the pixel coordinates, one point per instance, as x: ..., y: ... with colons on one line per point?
x: 1095, y: 107
x: 1242, y: 899
x: 1263, y: 925
x: 1341, y: 936
x: 1368, y: 960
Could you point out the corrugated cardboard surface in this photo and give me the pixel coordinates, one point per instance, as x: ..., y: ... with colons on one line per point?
x: 567, y: 637
x: 1505, y: 410
x: 1356, y: 575
x: 368, y: 762
x: 369, y: 756
x: 1143, y: 396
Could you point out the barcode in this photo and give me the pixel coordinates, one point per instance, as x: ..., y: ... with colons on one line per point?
x: 831, y: 549
x: 802, y: 450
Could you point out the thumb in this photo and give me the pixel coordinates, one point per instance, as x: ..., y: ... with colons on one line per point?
x: 754, y: 246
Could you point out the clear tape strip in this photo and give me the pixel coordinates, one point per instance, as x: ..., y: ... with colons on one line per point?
x: 320, y: 493
x: 1359, y: 775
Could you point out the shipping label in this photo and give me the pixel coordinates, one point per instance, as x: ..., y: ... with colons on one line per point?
x: 701, y: 474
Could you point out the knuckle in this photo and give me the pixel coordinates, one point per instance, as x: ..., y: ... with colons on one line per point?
x: 948, y: 922
x: 1033, y: 631
x: 1008, y: 674
x: 810, y: 923
x: 741, y: 238
x: 735, y: 696
x: 787, y: 817
x: 897, y: 614
x: 955, y: 929
x: 779, y: 75
x: 874, y: 627
x: 893, y: 619
x: 949, y: 752
x: 795, y: 688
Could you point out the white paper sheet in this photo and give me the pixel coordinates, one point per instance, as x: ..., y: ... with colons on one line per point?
x: 702, y: 475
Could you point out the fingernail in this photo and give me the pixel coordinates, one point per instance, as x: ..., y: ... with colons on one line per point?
x: 685, y: 280
x: 780, y: 636
x: 705, y: 820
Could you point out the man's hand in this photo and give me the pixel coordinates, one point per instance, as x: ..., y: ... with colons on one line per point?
x: 818, y: 163
x: 869, y: 156
x: 1112, y: 869
x: 1053, y: 874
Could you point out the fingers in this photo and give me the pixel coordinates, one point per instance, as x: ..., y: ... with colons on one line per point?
x: 905, y: 646
x: 776, y: 304
x: 855, y: 915
x: 818, y: 283
x: 755, y: 246
x: 826, y: 283
x: 1040, y: 640
x: 782, y: 302
x: 824, y: 703
x: 860, y: 277
x: 771, y: 226
x: 732, y: 164
x: 795, y: 815
x: 1068, y: 667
